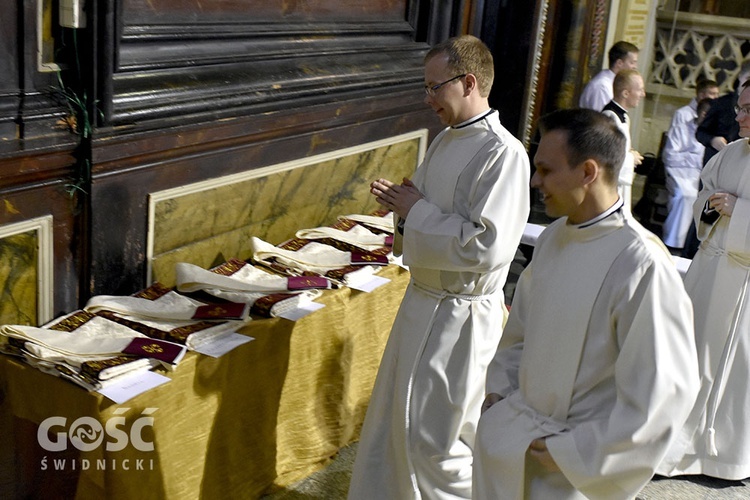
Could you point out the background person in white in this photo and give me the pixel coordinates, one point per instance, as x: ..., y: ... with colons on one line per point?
x: 598, y: 92
x: 597, y: 367
x: 628, y: 91
x: 683, y: 162
x: 716, y: 438
x: 463, y: 216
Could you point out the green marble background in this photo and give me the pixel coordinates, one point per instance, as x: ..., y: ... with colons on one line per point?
x: 209, y: 227
x: 18, y: 278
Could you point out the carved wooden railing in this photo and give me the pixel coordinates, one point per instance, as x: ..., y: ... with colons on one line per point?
x: 690, y: 47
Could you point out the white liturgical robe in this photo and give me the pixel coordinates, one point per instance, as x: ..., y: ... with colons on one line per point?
x: 598, y: 357
x: 716, y: 439
x: 683, y: 161
x: 598, y: 92
x: 627, y: 170
x: 458, y: 242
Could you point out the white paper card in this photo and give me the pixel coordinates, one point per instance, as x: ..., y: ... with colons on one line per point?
x: 222, y: 344
x: 301, y: 311
x: 531, y: 233
x: 129, y: 386
x: 399, y: 261
x: 370, y: 285
x: 682, y: 265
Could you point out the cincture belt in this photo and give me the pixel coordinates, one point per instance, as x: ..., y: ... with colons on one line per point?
x: 441, y: 294
x: 550, y: 425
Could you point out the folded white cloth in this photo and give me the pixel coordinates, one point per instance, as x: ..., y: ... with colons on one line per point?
x: 384, y: 223
x: 171, y: 305
x: 248, y: 278
x: 315, y: 257
x: 198, y: 336
x: 96, y: 339
x: 358, y: 236
x: 286, y: 305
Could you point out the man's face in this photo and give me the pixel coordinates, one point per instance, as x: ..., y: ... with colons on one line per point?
x: 636, y: 92
x: 708, y: 93
x: 448, y: 100
x: 630, y: 61
x: 560, y: 184
x: 743, y: 118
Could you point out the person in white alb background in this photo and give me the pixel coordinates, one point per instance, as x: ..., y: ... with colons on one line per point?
x: 628, y: 91
x: 598, y: 92
x: 683, y: 161
x: 716, y: 439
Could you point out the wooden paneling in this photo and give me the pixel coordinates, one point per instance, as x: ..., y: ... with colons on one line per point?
x: 201, y: 61
x: 129, y: 167
x: 47, y: 195
x: 200, y: 11
x: 9, y: 98
x: 189, y: 90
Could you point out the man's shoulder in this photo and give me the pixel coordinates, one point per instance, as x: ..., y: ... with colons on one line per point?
x: 643, y: 248
x: 631, y: 241
x: 723, y: 104
x: 683, y: 117
x: 602, y: 76
x: 501, y: 135
x: 686, y: 111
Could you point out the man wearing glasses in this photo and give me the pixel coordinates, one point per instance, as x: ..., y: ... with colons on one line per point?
x: 716, y: 439
x: 717, y: 130
x: 460, y: 221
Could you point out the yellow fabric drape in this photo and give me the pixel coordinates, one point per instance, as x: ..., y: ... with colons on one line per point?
x: 264, y: 415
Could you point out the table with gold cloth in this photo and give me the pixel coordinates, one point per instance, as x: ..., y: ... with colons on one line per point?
x: 264, y: 415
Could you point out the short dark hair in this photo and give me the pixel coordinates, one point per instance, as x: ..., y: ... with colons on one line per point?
x: 590, y: 135
x: 467, y: 54
x: 704, y: 85
x: 620, y: 50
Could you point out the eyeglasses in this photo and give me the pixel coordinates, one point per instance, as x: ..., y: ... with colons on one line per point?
x: 742, y: 109
x: 431, y: 90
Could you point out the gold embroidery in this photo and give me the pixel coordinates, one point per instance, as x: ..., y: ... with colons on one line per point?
x: 152, y: 348
x: 229, y: 267
x: 73, y: 321
x: 153, y: 292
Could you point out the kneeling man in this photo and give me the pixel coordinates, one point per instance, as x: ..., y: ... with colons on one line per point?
x: 597, y: 366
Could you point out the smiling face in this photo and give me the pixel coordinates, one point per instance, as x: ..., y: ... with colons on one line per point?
x: 448, y: 101
x: 635, y: 92
x: 630, y: 61
x: 560, y: 184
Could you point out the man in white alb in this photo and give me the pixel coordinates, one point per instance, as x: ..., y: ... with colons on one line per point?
x: 628, y: 91
x: 683, y: 162
x: 597, y: 366
x: 461, y: 218
x: 598, y: 92
x: 716, y: 439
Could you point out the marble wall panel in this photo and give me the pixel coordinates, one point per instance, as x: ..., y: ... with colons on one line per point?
x: 26, y: 272
x: 209, y: 222
x: 18, y: 275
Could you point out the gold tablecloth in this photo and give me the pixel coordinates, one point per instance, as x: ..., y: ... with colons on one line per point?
x: 264, y: 415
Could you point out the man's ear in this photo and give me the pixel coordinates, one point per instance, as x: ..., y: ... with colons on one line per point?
x: 471, y: 83
x: 591, y: 171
